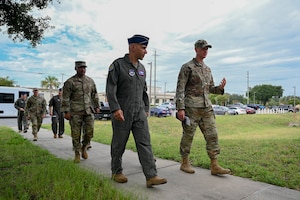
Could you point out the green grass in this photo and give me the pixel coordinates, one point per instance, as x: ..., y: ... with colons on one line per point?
x: 29, y: 172
x: 260, y: 147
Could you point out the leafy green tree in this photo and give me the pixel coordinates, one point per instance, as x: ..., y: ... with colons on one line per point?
x: 51, y: 83
x: 6, y: 82
x: 264, y: 92
x: 223, y: 99
x: 17, y: 21
x: 212, y: 98
x: 236, y: 98
x: 289, y: 100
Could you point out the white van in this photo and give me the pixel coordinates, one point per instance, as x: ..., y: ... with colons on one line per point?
x: 8, y: 97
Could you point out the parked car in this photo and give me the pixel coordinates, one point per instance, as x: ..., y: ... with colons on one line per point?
x: 249, y: 110
x: 104, y: 111
x: 237, y: 111
x: 288, y: 108
x: 160, y: 111
x: 169, y: 105
x: 220, y: 110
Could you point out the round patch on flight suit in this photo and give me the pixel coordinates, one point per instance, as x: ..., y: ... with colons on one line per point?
x: 111, y: 67
x: 131, y: 72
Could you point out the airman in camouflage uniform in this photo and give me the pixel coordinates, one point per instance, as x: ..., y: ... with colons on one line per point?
x: 194, y: 84
x: 35, y: 110
x: 79, y: 103
x: 22, y: 119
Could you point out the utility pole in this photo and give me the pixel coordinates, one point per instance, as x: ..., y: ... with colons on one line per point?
x: 247, y: 87
x: 150, y: 95
x: 155, y: 77
x: 62, y: 79
x: 165, y: 92
x: 294, y: 96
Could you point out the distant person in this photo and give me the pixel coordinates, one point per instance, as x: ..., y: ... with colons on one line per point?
x: 126, y: 91
x: 20, y: 106
x: 57, y: 117
x: 79, y: 103
x: 195, y: 82
x: 35, y: 111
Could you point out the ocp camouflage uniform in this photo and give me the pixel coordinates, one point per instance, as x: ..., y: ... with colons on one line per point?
x: 195, y: 82
x: 80, y: 98
x: 35, y: 109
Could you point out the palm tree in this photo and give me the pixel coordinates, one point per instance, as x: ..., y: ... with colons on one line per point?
x: 51, y: 83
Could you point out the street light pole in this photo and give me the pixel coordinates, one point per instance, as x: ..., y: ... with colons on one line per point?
x: 294, y: 96
x: 155, y: 77
x: 150, y: 95
x: 62, y: 79
x: 165, y: 92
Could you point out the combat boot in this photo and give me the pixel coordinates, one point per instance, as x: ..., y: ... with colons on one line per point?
x: 216, y: 169
x: 185, y: 166
x: 156, y: 180
x: 84, y: 154
x: 55, y: 136
x: 35, y: 137
x: 77, y: 157
x: 119, y: 178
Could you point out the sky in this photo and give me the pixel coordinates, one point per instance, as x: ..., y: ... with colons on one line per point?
x: 254, y: 42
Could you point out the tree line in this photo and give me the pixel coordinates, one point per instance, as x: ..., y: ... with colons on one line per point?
x: 260, y: 94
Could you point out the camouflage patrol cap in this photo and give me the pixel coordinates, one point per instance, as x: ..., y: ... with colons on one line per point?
x: 80, y: 64
x: 202, y: 44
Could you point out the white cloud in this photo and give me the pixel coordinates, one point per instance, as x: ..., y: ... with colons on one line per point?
x: 259, y: 36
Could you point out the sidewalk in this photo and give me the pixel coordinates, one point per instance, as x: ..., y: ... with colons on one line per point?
x: 180, y: 186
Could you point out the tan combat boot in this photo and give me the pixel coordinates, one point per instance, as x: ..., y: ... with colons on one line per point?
x: 216, y: 169
x: 185, y: 166
x: 119, y: 178
x: 77, y: 157
x: 84, y: 154
x: 156, y: 180
x: 35, y: 137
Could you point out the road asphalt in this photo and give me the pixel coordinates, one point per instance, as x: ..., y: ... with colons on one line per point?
x: 181, y: 186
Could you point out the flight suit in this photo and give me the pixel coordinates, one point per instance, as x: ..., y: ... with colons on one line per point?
x: 127, y: 90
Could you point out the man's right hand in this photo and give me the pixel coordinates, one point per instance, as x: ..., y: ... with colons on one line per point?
x: 67, y: 116
x: 118, y: 115
x: 181, y: 115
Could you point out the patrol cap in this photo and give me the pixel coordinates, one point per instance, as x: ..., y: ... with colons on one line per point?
x: 202, y: 44
x: 138, y: 39
x: 34, y: 89
x: 80, y: 64
x: 60, y: 89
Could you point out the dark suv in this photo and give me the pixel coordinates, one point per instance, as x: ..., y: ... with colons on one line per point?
x: 104, y: 111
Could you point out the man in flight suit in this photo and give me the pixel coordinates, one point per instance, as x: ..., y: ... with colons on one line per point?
x: 127, y: 96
